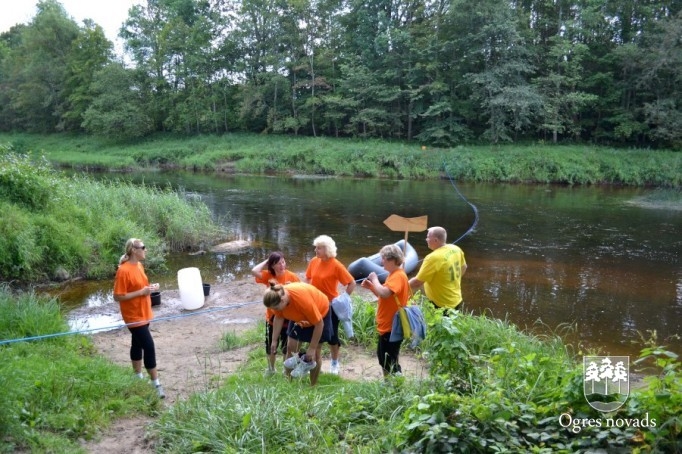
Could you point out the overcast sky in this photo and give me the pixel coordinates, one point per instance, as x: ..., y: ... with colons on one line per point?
x: 109, y: 14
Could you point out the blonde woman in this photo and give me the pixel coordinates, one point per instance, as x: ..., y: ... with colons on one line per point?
x: 309, y: 315
x: 325, y: 272
x: 131, y: 291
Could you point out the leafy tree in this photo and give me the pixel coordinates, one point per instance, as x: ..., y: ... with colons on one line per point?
x: 90, y: 52
x: 117, y: 111
x: 507, y: 100
x: 144, y: 32
x: 563, y: 102
x: 661, y: 74
x: 260, y: 41
x: 36, y: 68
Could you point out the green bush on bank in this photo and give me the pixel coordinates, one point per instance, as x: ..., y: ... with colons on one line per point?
x: 54, y: 226
x: 495, y: 388
x: 56, y: 389
x: 491, y: 387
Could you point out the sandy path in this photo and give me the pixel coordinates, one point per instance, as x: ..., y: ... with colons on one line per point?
x: 190, y: 359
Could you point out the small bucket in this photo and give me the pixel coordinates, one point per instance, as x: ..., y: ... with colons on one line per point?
x: 207, y: 289
x: 156, y: 298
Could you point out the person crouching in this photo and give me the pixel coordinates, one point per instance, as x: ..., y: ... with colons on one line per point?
x: 309, y: 313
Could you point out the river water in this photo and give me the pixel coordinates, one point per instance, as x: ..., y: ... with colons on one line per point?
x: 542, y: 256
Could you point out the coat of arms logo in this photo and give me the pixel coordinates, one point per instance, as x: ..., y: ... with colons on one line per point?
x: 606, y: 381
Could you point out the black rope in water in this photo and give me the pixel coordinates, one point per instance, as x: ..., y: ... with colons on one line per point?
x: 469, y: 230
x: 473, y: 207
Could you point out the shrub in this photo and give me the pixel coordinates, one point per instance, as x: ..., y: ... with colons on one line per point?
x: 32, y: 185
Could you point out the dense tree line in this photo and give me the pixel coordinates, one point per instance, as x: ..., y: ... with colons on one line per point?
x: 441, y: 72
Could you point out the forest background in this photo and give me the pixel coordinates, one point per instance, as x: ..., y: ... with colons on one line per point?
x: 440, y: 73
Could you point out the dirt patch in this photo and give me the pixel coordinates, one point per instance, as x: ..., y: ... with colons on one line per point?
x: 189, y: 356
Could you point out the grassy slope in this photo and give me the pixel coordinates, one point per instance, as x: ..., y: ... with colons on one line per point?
x: 250, y: 153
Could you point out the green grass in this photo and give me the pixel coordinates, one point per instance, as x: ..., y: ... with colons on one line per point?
x: 255, y: 413
x: 258, y: 154
x: 231, y: 339
x: 53, y: 224
x: 491, y: 387
x: 57, y: 390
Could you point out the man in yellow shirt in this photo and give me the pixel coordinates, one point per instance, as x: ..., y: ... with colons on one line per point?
x: 442, y: 270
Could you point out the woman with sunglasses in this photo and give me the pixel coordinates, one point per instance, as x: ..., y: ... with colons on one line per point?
x: 132, y: 290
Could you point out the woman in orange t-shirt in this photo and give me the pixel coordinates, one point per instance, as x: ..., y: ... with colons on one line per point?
x: 132, y: 290
x: 395, y: 291
x: 274, y: 267
x: 326, y: 273
x: 309, y: 313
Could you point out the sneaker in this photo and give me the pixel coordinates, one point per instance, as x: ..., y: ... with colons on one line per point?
x: 159, y: 390
x: 334, y: 368
x: 302, y: 368
x: 291, y: 363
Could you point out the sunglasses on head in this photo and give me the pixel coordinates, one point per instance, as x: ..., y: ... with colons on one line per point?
x: 143, y: 247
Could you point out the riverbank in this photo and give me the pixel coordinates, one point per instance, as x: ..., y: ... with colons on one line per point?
x: 191, y: 360
x: 260, y: 154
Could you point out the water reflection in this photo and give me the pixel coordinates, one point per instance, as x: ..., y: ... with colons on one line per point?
x: 95, y: 323
x: 583, y: 257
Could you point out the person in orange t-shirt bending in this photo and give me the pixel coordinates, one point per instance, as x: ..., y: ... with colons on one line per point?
x: 132, y: 290
x: 309, y: 313
x: 274, y: 267
x: 393, y: 293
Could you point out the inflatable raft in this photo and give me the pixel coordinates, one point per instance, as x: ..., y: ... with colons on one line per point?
x: 361, y: 268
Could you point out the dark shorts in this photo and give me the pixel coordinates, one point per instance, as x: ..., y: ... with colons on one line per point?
x: 306, y: 334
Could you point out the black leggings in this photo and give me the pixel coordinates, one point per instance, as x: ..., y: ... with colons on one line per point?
x: 387, y: 354
x: 282, y: 344
x: 335, y: 328
x: 142, y: 342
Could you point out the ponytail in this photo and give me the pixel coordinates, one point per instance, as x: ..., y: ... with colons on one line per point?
x: 130, y: 244
x: 273, y: 295
x: 124, y: 258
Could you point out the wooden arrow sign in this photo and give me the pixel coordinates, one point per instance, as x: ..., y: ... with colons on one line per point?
x: 401, y: 224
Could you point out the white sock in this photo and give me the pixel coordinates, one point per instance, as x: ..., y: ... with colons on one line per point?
x: 156, y: 382
x: 335, y: 362
x: 140, y: 375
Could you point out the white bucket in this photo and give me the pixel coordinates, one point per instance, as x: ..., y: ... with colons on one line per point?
x: 191, y: 288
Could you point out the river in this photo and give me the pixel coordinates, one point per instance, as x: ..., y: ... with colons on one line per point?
x: 545, y: 257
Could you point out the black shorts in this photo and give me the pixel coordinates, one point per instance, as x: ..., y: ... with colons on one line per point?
x: 306, y: 334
